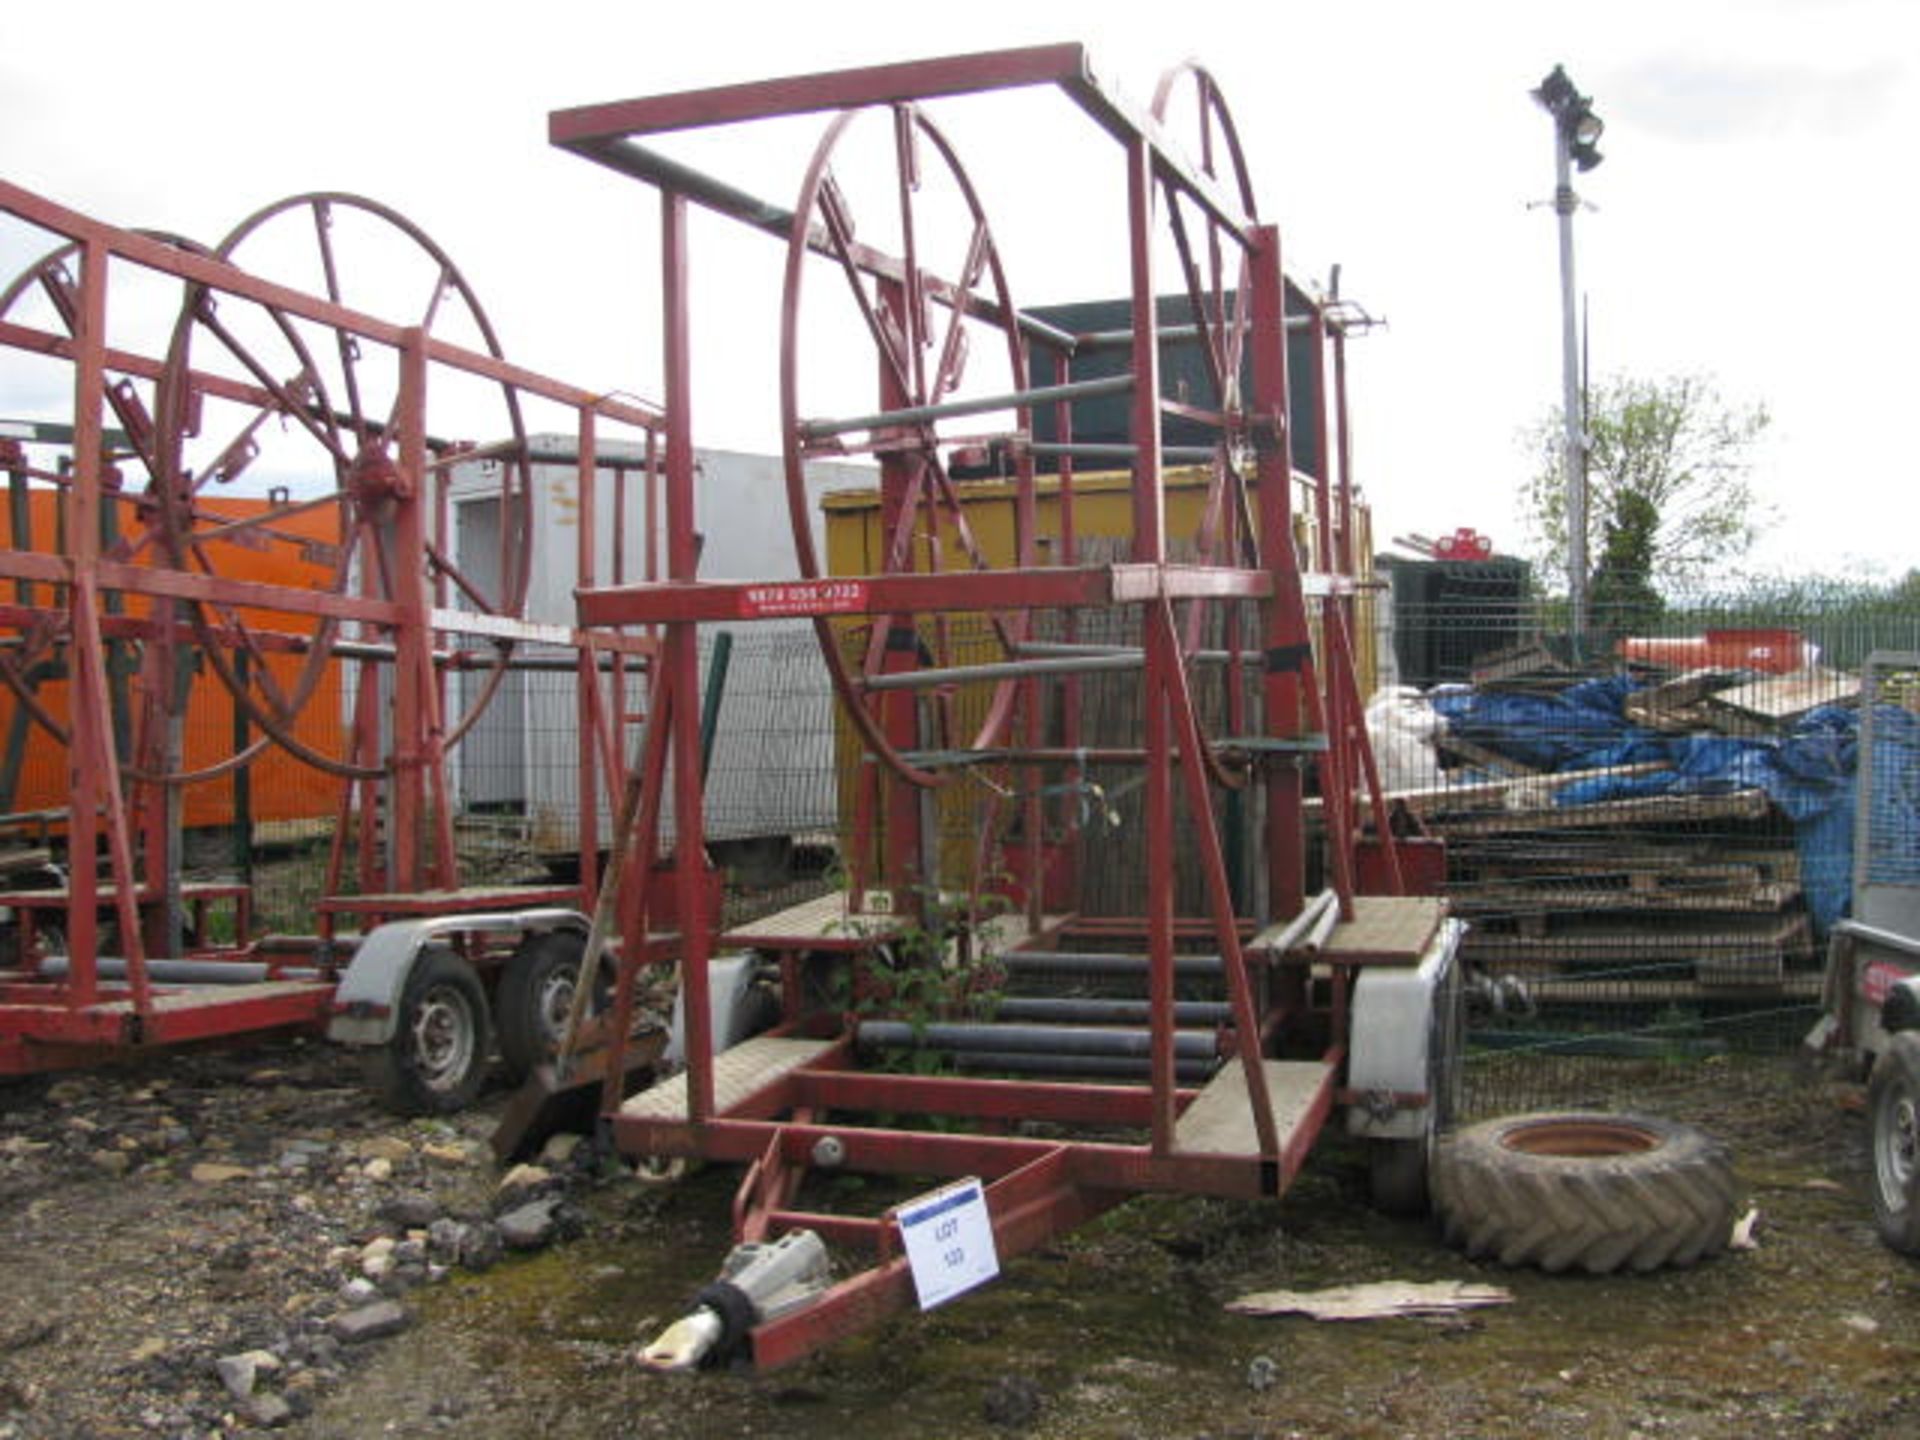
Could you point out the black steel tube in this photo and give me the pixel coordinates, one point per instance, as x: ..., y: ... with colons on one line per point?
x: 1052, y: 962
x: 1030, y: 1039
x: 183, y: 972
x: 1092, y: 1010
x: 1119, y: 1067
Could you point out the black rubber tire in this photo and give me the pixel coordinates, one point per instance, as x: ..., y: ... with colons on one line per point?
x: 1893, y: 1112
x: 535, y: 996
x: 1588, y: 1192
x: 1397, y: 1176
x: 437, y: 1059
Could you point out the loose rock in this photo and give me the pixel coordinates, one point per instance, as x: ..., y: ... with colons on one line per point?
x: 522, y: 1183
x: 210, y: 1172
x: 369, y: 1322
x: 530, y: 1226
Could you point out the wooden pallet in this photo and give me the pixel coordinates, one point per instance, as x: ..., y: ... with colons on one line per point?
x: 1743, y: 892
x: 1726, y: 950
x: 1612, y: 814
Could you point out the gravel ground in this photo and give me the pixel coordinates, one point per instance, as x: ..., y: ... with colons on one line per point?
x: 227, y: 1243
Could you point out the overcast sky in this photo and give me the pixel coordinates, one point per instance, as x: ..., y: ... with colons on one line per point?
x: 1754, y: 220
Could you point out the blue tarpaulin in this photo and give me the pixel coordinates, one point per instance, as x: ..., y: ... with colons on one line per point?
x: 1808, y: 772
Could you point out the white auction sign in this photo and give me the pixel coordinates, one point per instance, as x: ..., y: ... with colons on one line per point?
x: 949, y: 1240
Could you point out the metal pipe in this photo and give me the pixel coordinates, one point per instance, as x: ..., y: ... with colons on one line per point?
x: 1316, y: 938
x: 1874, y: 935
x: 1119, y: 1067
x: 1092, y: 1010
x: 1289, y: 936
x: 1573, y: 442
x: 1060, y: 647
x: 672, y: 177
x: 1094, y: 450
x: 1002, y: 670
x: 1030, y: 1039
x: 1056, y: 962
x: 183, y: 972
x: 978, y: 405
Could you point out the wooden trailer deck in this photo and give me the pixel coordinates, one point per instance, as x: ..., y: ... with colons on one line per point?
x: 738, y: 1073
x: 1220, y: 1120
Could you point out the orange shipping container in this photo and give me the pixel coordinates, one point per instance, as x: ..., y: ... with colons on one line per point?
x: 282, y: 788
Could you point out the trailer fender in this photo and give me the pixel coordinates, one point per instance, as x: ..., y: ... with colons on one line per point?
x: 1405, y: 1034
x: 366, y: 1004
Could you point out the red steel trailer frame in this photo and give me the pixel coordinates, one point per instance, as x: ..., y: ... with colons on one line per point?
x: 799, y: 1097
x: 188, y: 410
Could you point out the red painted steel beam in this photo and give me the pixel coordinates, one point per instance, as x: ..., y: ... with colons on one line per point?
x: 225, y: 1015
x: 186, y: 585
x: 222, y: 277
x: 1306, y: 1131
x: 827, y: 90
x: 1130, y: 1168
x: 14, y: 336
x: 1027, y: 1208
x: 34, y: 1016
x: 54, y: 1022
x: 1284, y: 634
x: 977, y: 1099
x: 602, y: 132
x: 1059, y: 587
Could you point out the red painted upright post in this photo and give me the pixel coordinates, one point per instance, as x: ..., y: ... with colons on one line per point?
x: 681, y: 662
x: 413, y: 635
x: 91, y: 739
x: 905, y: 868
x: 1150, y: 547
x: 587, y: 670
x: 1284, y: 632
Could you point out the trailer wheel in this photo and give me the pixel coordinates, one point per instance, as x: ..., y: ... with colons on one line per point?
x: 1893, y: 1108
x: 536, y: 996
x: 437, y: 1058
x: 1397, y: 1176
x: 1598, y: 1193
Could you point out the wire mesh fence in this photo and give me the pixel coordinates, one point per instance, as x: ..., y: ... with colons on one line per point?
x: 515, y: 782
x: 1650, y: 833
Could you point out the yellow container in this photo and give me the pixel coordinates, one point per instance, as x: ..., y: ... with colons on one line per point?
x: 1103, y: 523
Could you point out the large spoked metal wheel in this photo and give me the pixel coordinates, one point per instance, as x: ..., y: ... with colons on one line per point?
x: 257, y: 395
x: 1213, y: 271
x: 437, y: 1059
x: 947, y: 341
x: 44, y: 301
x: 1893, y: 1107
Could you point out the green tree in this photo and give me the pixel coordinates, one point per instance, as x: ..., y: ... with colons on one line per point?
x: 1668, y: 494
x: 1622, y: 592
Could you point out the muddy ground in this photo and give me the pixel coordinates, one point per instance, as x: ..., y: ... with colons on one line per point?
x: 159, y: 1219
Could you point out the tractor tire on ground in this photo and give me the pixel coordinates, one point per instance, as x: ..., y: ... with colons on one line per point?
x: 1893, y: 1110
x: 536, y: 996
x: 437, y: 1059
x: 1589, y: 1192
